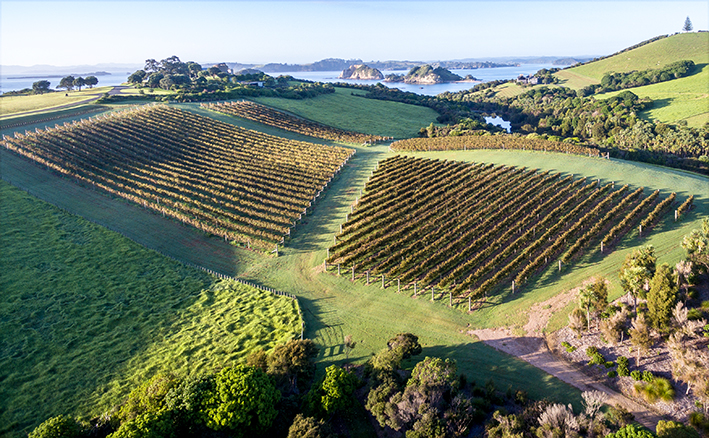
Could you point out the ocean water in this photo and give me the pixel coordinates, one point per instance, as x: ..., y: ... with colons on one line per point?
x: 22, y: 81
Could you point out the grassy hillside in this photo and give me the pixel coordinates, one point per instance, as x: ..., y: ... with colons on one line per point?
x: 10, y: 105
x: 88, y: 314
x: 694, y: 46
x: 346, y: 111
x: 679, y: 99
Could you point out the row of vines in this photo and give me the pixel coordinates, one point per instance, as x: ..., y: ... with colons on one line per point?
x: 242, y: 185
x: 467, y: 228
x: 489, y: 141
x: 269, y: 116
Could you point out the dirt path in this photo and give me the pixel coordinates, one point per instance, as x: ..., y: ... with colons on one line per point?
x: 533, y: 349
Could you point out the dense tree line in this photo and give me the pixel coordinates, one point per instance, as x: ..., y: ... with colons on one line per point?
x: 617, y: 81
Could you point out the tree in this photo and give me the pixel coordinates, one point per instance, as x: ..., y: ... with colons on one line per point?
x: 336, y: 390
x: 593, y: 296
x: 696, y: 243
x: 292, y: 360
x: 636, y: 271
x: 91, y: 81
x: 662, y: 297
x: 557, y: 421
x: 309, y: 427
x: 40, y: 87
x: 244, y: 401
x: 67, y: 82
x: 154, y: 80
x: 687, y: 25
x: 407, y: 342
x: 640, y: 337
x: 166, y: 82
x: 151, y: 66
x: 137, y: 77
x: 58, y: 427
x: 79, y: 82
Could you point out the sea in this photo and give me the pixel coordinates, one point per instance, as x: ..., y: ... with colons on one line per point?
x: 117, y: 77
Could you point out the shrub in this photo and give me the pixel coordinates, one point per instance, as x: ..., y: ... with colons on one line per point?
x: 609, y: 364
x: 623, y: 366
x: 706, y: 330
x: 636, y: 375
x: 631, y: 431
x: 673, y: 429
x: 699, y: 421
x: 658, y: 389
x: 569, y: 348
x: 58, y: 427
x: 648, y: 376
x: 694, y: 314
x: 612, y: 374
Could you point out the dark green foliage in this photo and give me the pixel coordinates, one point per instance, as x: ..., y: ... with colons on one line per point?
x: 59, y: 427
x: 243, y: 401
x: 148, y: 397
x: 662, y: 297
x: 700, y: 422
x: 617, y: 81
x: 618, y: 416
x: 595, y: 356
x: 673, y: 429
x: 612, y: 374
x: 636, y: 375
x: 648, y: 376
x: 40, y: 87
x: 333, y: 393
x: 623, y: 369
x: 292, y: 361
x: 406, y: 342
x: 632, y: 431
x: 309, y: 427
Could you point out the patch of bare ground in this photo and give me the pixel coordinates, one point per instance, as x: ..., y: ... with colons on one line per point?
x: 658, y: 361
x: 533, y: 349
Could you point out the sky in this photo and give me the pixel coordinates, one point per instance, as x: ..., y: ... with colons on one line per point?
x: 88, y: 32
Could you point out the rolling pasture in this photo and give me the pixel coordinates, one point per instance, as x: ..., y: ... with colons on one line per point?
x: 465, y: 228
x: 269, y: 116
x: 685, y: 98
x: 241, y: 185
x: 88, y: 314
x: 347, y: 109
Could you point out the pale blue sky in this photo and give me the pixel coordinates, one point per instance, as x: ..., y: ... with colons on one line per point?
x: 91, y: 32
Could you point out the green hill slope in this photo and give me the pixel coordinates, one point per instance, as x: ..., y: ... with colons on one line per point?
x: 679, y: 99
x: 694, y: 46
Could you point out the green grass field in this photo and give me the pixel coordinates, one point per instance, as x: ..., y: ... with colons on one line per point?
x: 369, y: 116
x: 89, y: 314
x: 19, y: 104
x: 679, y: 99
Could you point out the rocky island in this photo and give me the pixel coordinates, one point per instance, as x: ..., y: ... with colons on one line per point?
x: 361, y: 71
x: 425, y: 75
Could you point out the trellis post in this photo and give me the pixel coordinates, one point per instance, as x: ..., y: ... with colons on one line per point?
x: 383, y: 287
x: 367, y: 277
x: 560, y: 260
x: 338, y: 269
x: 469, y: 300
x: 513, y: 286
x: 353, y: 273
x: 415, y: 291
x: 432, y: 291
x: 398, y: 285
x: 450, y: 299
x: 601, y: 247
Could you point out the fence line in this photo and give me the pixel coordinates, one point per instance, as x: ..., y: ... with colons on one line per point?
x: 207, y: 270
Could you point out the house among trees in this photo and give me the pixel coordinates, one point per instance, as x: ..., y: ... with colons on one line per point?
x: 529, y: 79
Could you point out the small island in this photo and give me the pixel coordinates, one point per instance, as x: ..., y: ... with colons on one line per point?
x: 362, y: 72
x: 426, y: 75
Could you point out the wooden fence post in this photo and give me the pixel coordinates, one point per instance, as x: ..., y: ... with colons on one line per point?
x: 352, y: 272
x: 338, y: 269
x: 469, y: 303
x: 383, y: 286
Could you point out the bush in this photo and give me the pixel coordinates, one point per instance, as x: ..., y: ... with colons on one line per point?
x: 636, y: 375
x: 648, y: 376
x: 609, y: 364
x: 673, y: 429
x: 569, y: 348
x: 58, y: 427
x: 694, y: 314
x: 623, y: 366
x: 699, y: 421
x: 612, y: 374
x: 658, y: 389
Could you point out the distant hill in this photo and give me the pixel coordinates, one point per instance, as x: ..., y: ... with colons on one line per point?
x: 692, y: 46
x: 685, y: 98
